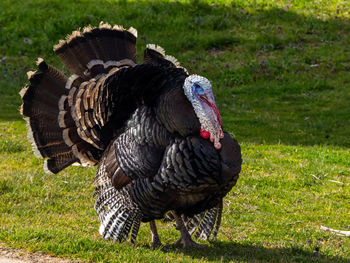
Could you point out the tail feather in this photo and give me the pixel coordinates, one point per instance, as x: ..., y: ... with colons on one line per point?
x: 44, y: 109
x: 54, y: 165
x: 68, y: 58
x: 53, y: 150
x: 105, y: 43
x: 40, y: 107
x: 205, y: 225
x: 48, y: 138
x: 47, y: 75
x: 218, y: 221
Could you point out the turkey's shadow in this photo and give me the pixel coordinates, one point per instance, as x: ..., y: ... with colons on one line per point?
x: 225, y: 251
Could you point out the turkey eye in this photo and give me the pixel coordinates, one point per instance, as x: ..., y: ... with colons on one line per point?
x: 198, y: 89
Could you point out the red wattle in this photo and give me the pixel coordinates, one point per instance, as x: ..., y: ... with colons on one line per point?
x: 205, y: 134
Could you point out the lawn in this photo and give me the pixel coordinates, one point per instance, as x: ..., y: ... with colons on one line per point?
x: 281, y: 77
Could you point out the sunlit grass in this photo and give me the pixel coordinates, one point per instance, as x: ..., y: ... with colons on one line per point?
x: 280, y: 72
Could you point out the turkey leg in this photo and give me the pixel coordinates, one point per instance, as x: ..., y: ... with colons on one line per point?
x: 185, y: 237
x: 156, y: 243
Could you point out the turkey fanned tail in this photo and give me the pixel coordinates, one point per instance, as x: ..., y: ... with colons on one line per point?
x: 66, y: 115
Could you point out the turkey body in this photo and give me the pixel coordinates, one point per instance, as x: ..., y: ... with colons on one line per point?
x: 165, y: 171
x: 137, y: 124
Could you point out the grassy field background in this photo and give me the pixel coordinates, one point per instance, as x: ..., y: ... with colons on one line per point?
x: 280, y: 72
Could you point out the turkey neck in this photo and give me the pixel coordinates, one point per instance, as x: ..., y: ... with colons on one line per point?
x: 177, y: 113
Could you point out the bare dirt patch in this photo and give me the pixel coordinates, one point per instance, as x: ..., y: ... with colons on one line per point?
x: 18, y: 256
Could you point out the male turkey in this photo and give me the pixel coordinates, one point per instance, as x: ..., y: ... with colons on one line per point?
x: 154, y: 130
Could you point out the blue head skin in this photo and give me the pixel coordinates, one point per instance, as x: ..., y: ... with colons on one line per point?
x: 199, y: 93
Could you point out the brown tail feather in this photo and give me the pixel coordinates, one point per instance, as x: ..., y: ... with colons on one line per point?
x: 47, y: 138
x: 52, y: 150
x: 105, y: 43
x: 60, y: 162
x: 40, y: 105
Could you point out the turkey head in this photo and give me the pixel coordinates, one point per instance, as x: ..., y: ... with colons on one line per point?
x: 198, y: 91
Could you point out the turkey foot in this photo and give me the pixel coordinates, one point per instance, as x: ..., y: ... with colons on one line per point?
x: 156, y: 243
x: 185, y: 237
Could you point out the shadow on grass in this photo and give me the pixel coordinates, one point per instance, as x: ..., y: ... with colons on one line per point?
x: 266, y: 110
x: 230, y: 251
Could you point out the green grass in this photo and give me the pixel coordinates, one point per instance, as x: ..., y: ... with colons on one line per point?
x: 280, y: 72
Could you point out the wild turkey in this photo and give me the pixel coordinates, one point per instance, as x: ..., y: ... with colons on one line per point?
x: 154, y: 130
